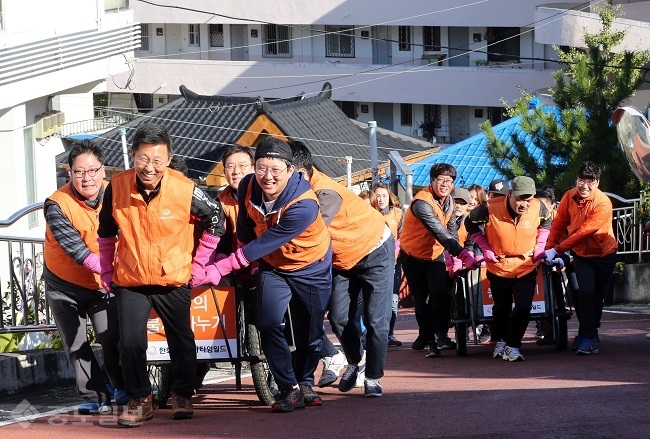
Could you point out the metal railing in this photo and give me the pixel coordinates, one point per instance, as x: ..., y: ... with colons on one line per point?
x: 106, y: 120
x: 24, y: 302
x: 628, y: 229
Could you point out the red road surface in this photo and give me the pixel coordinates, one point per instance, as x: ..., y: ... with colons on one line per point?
x: 554, y: 394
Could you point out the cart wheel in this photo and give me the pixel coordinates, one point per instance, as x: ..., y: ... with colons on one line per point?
x: 461, y: 339
x: 265, y: 385
x: 562, y: 333
x: 160, y: 376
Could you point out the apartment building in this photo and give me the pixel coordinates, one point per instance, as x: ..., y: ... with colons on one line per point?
x: 53, y: 57
x: 419, y: 68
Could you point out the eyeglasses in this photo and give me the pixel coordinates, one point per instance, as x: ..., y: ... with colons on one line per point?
x: 275, y: 172
x: 590, y: 182
x: 444, y: 181
x: 144, y: 162
x: 92, y: 172
x: 243, y: 166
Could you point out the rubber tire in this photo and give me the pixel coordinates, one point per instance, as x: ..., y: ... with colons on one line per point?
x: 461, y: 339
x: 160, y: 376
x: 263, y: 380
x: 562, y: 333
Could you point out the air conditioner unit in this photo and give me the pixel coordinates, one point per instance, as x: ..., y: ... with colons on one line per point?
x: 42, y: 125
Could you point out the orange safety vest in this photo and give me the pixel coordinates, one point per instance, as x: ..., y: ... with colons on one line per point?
x: 416, y: 240
x: 308, y: 247
x: 513, y: 243
x: 85, y: 220
x: 356, y: 228
x: 393, y: 217
x: 462, y: 234
x: 156, y: 239
x: 231, y: 210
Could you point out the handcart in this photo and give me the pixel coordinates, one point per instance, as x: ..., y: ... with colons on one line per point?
x: 223, y: 321
x: 472, y: 305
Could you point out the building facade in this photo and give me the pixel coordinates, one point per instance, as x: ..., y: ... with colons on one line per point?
x: 53, y: 57
x: 423, y: 69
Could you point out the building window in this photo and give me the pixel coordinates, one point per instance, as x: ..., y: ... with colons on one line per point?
x: 503, y: 44
x: 193, y: 35
x: 432, y: 117
x: 496, y: 115
x: 404, y: 38
x: 431, y: 38
x: 144, y: 37
x: 339, y: 41
x: 216, y: 35
x: 406, y: 115
x: 276, y: 40
x: 30, y: 174
x: 109, y: 5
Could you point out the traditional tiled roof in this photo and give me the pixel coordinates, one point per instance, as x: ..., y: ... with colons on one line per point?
x: 201, y: 128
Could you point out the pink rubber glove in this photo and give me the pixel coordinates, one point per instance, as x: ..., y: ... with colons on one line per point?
x: 203, y: 257
x: 488, y: 253
x: 106, y: 259
x: 234, y: 262
x: 449, y: 263
x: 397, y: 248
x: 542, y: 236
x: 468, y: 259
x: 92, y: 263
x: 212, y: 275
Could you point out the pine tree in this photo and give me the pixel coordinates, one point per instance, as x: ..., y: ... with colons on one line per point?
x: 593, y: 84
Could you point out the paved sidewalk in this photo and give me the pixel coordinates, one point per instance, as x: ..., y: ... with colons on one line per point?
x: 554, y: 394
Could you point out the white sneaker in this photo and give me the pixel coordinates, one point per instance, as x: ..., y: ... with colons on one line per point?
x: 512, y: 354
x: 498, y: 350
x: 647, y: 336
x: 332, y: 367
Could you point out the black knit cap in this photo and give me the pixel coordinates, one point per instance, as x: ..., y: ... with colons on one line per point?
x: 274, y: 149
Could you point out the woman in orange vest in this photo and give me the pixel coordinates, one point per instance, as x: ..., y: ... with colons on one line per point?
x: 71, y: 271
x: 515, y: 229
x: 389, y: 206
x: 154, y: 210
x: 427, y: 232
x: 583, y: 224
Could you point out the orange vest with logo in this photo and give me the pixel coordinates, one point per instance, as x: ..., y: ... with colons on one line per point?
x: 156, y: 239
x: 513, y: 243
x: 462, y: 233
x: 231, y: 210
x: 416, y: 240
x: 355, y: 229
x: 393, y: 218
x: 308, y: 247
x: 85, y: 220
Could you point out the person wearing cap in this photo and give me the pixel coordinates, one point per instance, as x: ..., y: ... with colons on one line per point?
x: 497, y: 188
x: 461, y: 201
x: 363, y: 257
x: 515, y: 230
x: 583, y: 224
x: 153, y: 210
x: 427, y: 232
x: 280, y: 226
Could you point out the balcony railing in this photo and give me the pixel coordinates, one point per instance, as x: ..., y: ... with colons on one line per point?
x: 105, y: 120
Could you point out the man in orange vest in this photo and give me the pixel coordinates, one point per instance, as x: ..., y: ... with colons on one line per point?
x: 280, y: 226
x: 515, y: 229
x: 71, y: 271
x: 583, y: 224
x: 154, y: 209
x: 427, y: 232
x: 363, y: 256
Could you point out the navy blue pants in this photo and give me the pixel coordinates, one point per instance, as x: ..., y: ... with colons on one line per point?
x: 308, y: 295
x: 593, y: 275
x: 371, y: 277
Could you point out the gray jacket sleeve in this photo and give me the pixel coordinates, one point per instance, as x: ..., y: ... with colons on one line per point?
x: 424, y: 212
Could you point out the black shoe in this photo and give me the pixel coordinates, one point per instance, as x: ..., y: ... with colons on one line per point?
x: 310, y: 398
x: 291, y: 398
x: 392, y: 341
x: 444, y: 342
x: 546, y: 340
x: 433, y: 350
x: 419, y: 344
